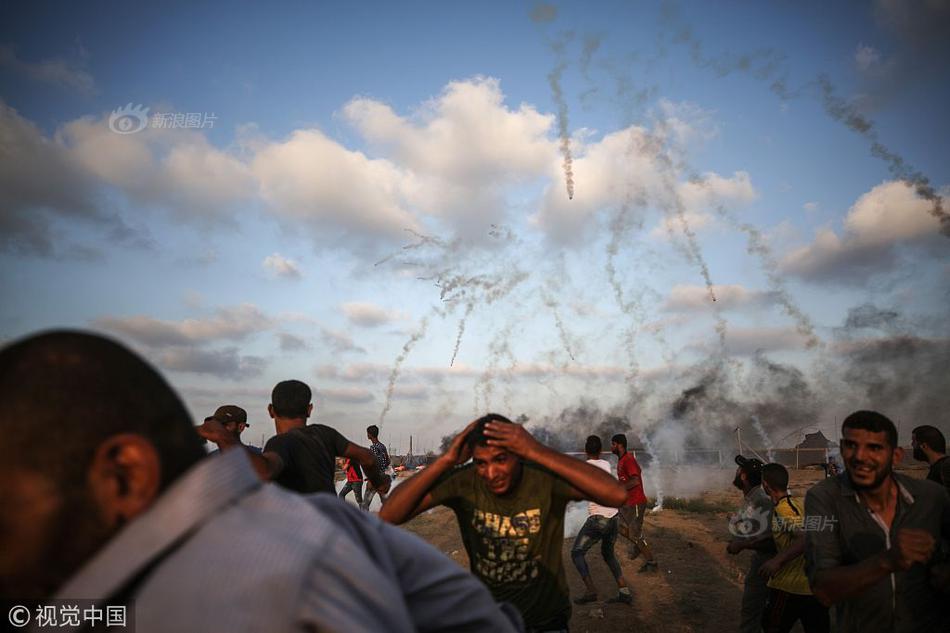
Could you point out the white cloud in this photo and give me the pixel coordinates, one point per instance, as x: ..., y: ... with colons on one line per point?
x: 365, y: 314
x: 225, y: 363
x: 52, y: 71
x: 888, y: 216
x: 340, y: 342
x: 38, y: 181
x: 462, y: 148
x: 291, y: 342
x: 281, y: 266
x: 728, y: 297
x: 749, y: 341
x: 176, y: 169
x: 351, y: 395
x: 231, y: 324
x: 633, y: 167
x: 336, y: 193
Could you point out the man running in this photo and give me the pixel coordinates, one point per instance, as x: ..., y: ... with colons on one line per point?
x: 383, y: 463
x: 790, y: 597
x: 874, y: 552
x: 509, y: 503
x: 354, y: 481
x: 601, y: 525
x: 635, y: 507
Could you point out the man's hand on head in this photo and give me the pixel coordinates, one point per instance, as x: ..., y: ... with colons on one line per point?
x: 459, y: 451
x: 214, y: 431
x: 511, y: 437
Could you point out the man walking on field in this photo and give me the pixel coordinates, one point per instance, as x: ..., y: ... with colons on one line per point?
x: 633, y: 511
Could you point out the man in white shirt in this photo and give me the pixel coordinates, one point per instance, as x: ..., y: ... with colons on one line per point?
x: 601, y: 525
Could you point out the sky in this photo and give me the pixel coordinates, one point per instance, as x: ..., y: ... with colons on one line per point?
x: 670, y: 218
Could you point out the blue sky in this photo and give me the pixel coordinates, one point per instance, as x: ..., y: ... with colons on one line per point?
x: 237, y: 255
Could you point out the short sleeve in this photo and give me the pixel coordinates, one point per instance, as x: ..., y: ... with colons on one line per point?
x: 822, y: 549
x: 450, y: 485
x: 279, y: 445
x: 334, y: 439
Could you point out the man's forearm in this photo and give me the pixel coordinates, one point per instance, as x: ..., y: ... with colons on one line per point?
x: 793, y: 551
x: 404, y: 500
x: 590, y: 481
x: 840, y: 583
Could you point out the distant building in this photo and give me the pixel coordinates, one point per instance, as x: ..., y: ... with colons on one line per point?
x: 816, y: 440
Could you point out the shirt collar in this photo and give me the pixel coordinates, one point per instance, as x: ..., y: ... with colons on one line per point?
x: 844, y: 482
x: 211, y: 484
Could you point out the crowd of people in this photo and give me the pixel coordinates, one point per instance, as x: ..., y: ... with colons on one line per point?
x: 110, y: 495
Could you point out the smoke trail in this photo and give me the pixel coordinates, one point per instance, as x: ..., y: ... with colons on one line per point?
x: 423, y: 240
x: 654, y: 463
x: 836, y: 107
x: 844, y: 112
x: 397, y: 365
x: 758, y: 246
x: 765, y: 437
x: 458, y: 339
x: 562, y: 332
x: 554, y: 78
x: 498, y: 348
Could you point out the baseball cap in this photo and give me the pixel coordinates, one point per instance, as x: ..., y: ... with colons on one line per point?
x: 230, y: 413
x: 749, y: 463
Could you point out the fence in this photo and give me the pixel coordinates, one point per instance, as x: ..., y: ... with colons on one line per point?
x: 724, y: 458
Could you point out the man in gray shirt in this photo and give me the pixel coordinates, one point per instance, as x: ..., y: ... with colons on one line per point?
x: 123, y: 508
x: 751, y: 529
x: 870, y: 536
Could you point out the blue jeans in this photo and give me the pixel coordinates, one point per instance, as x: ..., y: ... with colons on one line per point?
x: 597, y: 528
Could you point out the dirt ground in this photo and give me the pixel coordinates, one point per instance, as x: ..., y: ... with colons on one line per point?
x: 698, y: 587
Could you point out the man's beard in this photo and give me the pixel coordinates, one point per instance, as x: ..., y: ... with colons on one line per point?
x: 73, y: 536
x: 884, y: 473
x: 919, y: 454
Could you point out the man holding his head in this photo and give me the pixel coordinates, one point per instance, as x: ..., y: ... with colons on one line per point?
x: 125, y: 508
x: 301, y: 457
x: 234, y: 420
x: 510, y: 503
x: 871, y: 549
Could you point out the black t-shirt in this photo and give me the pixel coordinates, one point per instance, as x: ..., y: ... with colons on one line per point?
x: 309, y: 456
x: 940, y: 472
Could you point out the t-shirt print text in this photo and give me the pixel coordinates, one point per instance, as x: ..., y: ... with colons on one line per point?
x: 506, y: 541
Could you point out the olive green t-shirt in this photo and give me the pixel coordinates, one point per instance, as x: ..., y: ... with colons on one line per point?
x: 514, y: 540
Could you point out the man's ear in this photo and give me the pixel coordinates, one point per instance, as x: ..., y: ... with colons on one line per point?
x: 309, y: 409
x: 270, y: 411
x: 898, y: 456
x: 124, y: 477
